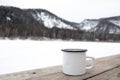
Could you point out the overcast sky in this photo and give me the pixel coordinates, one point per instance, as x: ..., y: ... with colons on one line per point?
x: 72, y: 10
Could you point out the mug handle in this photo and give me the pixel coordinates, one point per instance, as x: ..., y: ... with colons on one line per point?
x: 93, y: 63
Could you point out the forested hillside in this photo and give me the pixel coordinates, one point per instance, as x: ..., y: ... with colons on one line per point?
x: 40, y: 23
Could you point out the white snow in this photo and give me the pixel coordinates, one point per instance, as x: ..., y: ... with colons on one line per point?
x: 50, y: 21
x: 116, y: 22
x: 19, y: 55
x: 88, y: 25
x: 111, y: 31
x: 8, y: 18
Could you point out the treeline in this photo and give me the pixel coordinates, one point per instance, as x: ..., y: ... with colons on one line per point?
x: 27, y: 31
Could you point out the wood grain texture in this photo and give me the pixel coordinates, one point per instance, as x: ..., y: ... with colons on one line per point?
x: 106, y: 68
x: 113, y: 74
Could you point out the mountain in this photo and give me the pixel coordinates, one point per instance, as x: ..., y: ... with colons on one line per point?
x: 25, y: 23
x: 109, y: 25
x: 48, y: 19
x: 33, y: 17
x: 40, y: 23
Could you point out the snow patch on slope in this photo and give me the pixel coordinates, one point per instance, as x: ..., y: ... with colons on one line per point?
x: 50, y: 21
x: 88, y: 25
x: 116, y: 22
x: 115, y: 30
x: 8, y: 18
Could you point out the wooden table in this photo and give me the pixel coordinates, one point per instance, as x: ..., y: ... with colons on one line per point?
x: 107, y: 68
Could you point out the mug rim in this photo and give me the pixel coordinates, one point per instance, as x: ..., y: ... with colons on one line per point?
x: 74, y: 50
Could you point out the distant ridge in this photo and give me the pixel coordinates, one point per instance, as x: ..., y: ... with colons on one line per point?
x: 16, y: 22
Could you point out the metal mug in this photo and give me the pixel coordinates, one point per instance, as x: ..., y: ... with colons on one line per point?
x: 74, y: 61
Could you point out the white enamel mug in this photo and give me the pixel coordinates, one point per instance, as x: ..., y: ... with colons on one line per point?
x: 74, y: 61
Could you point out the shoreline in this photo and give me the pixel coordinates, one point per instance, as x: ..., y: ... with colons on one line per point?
x: 47, y: 39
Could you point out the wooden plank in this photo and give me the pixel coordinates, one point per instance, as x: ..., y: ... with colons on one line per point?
x: 102, y: 65
x: 55, y: 73
x: 113, y: 74
x: 31, y: 73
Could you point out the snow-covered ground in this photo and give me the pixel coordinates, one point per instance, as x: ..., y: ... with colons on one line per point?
x: 20, y: 55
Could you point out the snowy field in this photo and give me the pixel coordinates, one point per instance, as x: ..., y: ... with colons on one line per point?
x: 20, y: 55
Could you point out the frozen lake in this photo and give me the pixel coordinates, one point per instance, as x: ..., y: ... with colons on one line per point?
x: 20, y: 55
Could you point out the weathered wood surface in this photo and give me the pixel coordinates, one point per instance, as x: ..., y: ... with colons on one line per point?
x: 107, y: 68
